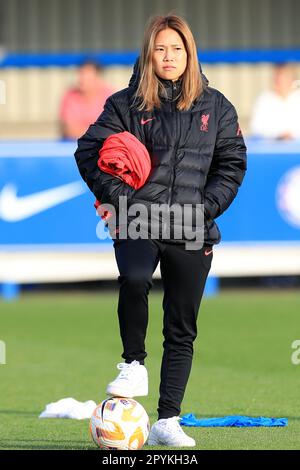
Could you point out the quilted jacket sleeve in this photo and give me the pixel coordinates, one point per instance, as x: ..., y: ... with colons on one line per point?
x: 106, y: 188
x: 228, y: 165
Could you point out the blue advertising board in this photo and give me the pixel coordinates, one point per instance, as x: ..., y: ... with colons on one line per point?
x: 44, y: 202
x: 267, y: 207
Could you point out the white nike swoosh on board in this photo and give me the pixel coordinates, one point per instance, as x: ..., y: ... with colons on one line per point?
x: 14, y: 208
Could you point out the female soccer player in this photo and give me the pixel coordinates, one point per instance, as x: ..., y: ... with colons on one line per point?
x: 198, y: 160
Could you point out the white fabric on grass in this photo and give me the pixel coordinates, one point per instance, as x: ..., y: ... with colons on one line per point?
x: 69, y: 408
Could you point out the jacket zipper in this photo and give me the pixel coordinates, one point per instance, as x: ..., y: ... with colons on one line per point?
x: 174, y: 88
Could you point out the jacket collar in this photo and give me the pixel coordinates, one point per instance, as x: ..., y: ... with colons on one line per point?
x: 171, y: 90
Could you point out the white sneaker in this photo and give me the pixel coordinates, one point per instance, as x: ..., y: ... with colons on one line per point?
x: 131, y: 382
x: 168, y: 432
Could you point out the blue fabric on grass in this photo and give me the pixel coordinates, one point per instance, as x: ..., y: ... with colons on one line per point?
x: 236, y: 421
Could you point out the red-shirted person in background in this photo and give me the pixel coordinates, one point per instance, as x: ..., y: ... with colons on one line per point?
x: 82, y: 104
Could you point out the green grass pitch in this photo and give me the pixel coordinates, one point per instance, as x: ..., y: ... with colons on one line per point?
x: 67, y: 345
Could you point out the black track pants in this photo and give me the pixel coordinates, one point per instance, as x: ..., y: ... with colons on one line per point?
x: 184, y: 274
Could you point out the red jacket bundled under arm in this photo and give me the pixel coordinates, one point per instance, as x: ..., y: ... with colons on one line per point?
x: 124, y: 156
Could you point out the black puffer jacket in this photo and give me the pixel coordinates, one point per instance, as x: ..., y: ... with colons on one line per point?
x: 198, y: 156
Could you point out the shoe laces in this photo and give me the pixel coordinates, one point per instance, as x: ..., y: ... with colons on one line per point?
x: 170, y: 423
x: 126, y: 369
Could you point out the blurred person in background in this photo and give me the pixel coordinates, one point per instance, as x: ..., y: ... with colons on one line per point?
x: 276, y: 112
x: 82, y: 104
